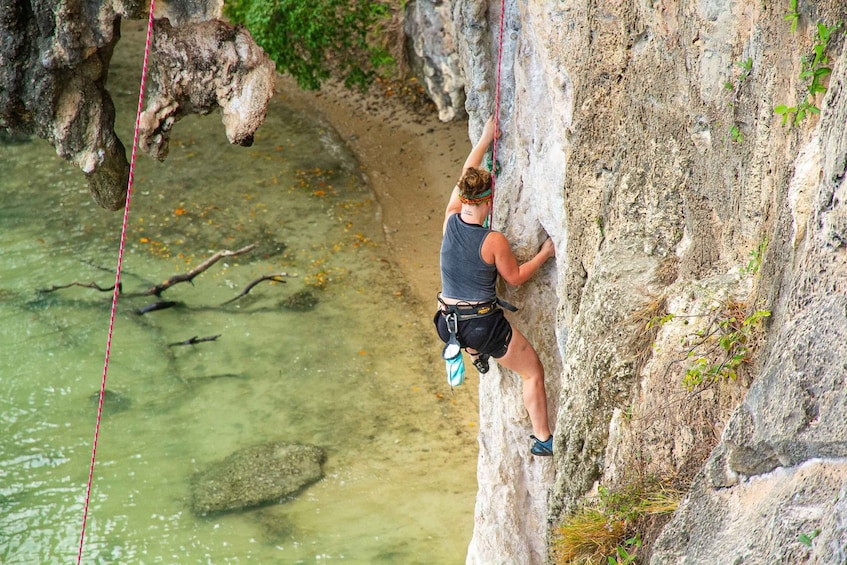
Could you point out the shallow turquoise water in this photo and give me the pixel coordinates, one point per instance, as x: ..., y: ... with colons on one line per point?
x: 355, y: 375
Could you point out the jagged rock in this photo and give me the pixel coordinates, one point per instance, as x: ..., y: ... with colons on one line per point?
x: 183, y: 12
x: 780, y: 470
x: 53, y: 64
x: 255, y: 476
x: 54, y: 59
x: 432, y: 52
x: 617, y: 142
x: 201, y: 67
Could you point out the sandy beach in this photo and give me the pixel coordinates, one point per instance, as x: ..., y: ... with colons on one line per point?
x: 411, y: 161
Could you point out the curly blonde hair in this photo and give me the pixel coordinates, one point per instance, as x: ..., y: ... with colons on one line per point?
x: 474, y: 186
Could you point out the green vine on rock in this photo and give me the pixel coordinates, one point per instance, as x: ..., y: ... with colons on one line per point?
x: 735, y: 87
x: 793, y: 16
x: 813, y: 73
x: 726, y: 341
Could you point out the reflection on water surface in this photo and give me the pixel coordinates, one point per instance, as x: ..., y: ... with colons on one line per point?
x: 333, y: 356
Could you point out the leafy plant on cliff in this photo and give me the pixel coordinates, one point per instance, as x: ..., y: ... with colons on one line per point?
x: 311, y: 40
x: 723, y: 345
x: 756, y: 257
x: 608, y: 529
x: 746, y: 69
x: 793, y: 16
x: 814, y: 71
x: 806, y: 539
x: 735, y: 87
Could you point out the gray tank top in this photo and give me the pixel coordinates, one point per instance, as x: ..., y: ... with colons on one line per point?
x: 464, y: 275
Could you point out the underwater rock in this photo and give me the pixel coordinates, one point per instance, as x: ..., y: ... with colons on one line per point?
x: 301, y: 301
x: 255, y: 476
x: 113, y: 402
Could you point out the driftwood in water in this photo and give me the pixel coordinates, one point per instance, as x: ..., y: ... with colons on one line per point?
x: 93, y: 285
x: 195, y: 339
x: 156, y: 306
x: 189, y: 276
x: 160, y: 288
x: 276, y: 278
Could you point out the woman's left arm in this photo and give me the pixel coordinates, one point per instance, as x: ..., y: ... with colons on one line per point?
x: 454, y: 206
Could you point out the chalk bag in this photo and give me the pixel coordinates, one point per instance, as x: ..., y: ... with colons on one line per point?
x: 452, y: 353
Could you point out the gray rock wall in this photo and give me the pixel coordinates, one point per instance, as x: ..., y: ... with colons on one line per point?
x: 428, y: 26
x: 658, y: 184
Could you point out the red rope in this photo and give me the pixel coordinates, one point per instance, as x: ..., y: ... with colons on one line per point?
x: 117, y: 281
x: 496, y: 112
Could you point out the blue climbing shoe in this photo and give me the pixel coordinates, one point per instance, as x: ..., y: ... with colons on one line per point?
x: 542, y: 448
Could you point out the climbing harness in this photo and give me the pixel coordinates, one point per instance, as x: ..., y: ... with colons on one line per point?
x: 495, y: 169
x: 117, y: 280
x: 452, y: 352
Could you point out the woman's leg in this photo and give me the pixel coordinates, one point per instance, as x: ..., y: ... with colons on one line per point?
x: 522, y: 359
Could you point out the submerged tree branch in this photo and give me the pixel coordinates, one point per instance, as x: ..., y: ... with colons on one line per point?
x: 275, y: 278
x: 156, y: 306
x: 195, y: 339
x: 93, y: 285
x: 189, y: 276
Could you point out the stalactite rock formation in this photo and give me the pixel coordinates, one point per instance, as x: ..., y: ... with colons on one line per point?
x: 54, y: 62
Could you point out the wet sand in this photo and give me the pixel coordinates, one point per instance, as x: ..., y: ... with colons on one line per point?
x: 411, y: 161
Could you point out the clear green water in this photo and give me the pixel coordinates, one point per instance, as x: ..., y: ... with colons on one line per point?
x: 357, y: 375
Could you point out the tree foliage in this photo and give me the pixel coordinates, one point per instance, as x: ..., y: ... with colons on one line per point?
x: 312, y: 39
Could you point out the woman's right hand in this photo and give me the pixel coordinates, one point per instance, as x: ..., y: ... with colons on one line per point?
x: 547, y: 249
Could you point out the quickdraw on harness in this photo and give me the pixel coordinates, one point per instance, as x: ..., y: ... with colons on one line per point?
x: 453, y: 314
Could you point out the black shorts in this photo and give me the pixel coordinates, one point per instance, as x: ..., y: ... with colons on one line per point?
x: 489, y: 334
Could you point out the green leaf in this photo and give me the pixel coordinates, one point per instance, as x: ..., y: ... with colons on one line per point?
x: 312, y: 40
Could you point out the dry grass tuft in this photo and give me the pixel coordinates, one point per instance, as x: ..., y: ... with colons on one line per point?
x: 594, y: 533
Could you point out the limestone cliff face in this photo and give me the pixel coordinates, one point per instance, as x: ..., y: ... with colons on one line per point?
x: 54, y: 62
x: 641, y: 136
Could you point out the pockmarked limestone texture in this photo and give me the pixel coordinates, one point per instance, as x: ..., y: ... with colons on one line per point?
x: 642, y: 138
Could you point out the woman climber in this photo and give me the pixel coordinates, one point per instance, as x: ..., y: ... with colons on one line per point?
x: 471, y: 258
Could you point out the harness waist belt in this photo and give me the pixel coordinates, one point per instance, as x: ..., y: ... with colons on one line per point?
x: 471, y: 311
